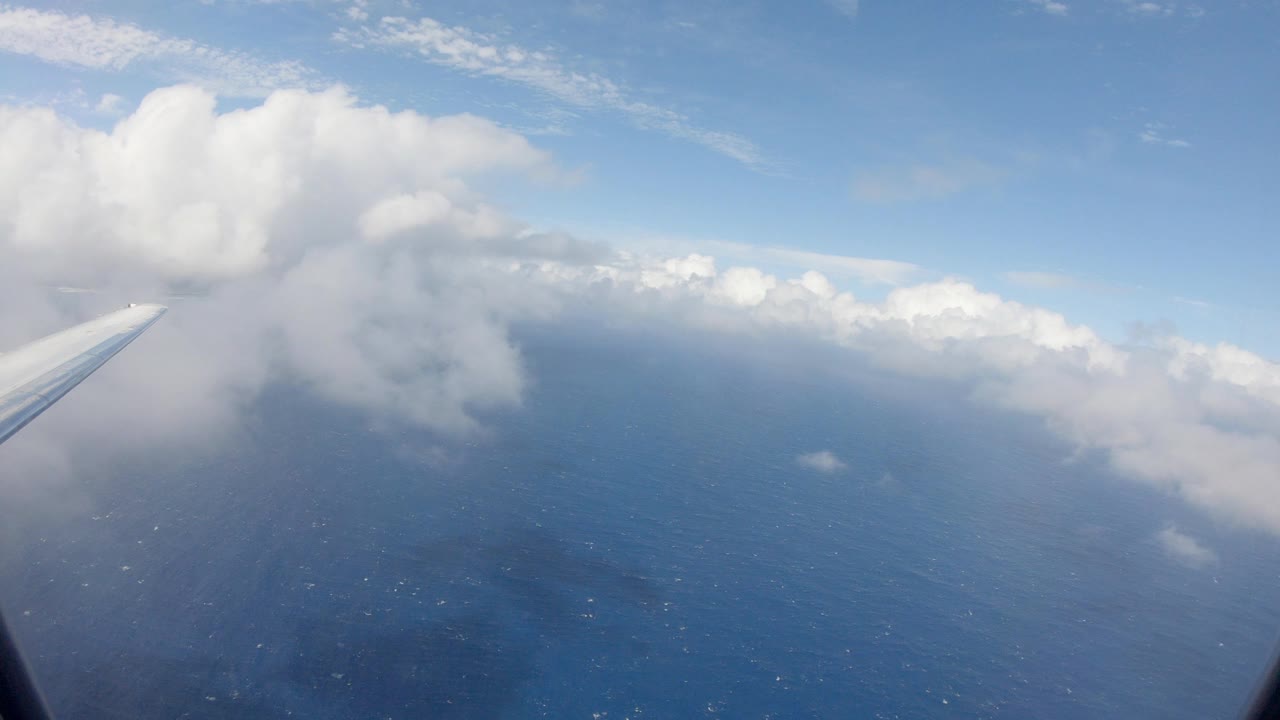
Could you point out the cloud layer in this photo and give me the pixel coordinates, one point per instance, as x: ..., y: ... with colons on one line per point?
x: 1201, y: 422
x: 343, y: 247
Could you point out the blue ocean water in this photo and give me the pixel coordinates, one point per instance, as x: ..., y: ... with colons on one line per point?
x: 638, y: 541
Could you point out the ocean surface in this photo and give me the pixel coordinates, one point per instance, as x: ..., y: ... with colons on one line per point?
x: 639, y: 541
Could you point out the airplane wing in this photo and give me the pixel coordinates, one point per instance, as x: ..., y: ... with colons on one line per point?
x: 32, y: 378
x: 35, y: 375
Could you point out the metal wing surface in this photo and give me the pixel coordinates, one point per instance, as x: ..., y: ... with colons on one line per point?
x: 36, y: 375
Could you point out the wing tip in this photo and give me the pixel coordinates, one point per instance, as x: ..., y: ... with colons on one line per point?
x: 155, y: 308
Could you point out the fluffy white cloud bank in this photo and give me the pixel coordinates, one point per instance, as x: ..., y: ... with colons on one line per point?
x: 343, y: 247
x: 320, y: 241
x: 1201, y: 422
x: 947, y: 318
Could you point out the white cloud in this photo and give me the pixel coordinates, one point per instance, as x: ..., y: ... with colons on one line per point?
x: 475, y: 53
x: 1148, y: 7
x: 872, y: 271
x: 1202, y: 423
x: 431, y: 208
x: 1161, y: 9
x: 1185, y: 549
x: 109, y: 104
x: 923, y: 181
x: 933, y: 316
x: 358, y: 11
x: 76, y: 40
x: 333, y: 244
x: 744, y: 285
x: 822, y: 461
x: 848, y: 8
x: 104, y: 44
x: 1051, y: 7
x: 1225, y: 363
x: 1153, y: 134
x: 674, y: 271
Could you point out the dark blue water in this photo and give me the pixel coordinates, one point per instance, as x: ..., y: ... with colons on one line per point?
x: 638, y: 541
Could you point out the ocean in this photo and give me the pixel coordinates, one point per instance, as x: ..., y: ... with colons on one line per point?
x: 638, y: 540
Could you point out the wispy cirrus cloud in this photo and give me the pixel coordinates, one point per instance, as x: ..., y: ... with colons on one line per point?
x: 481, y: 54
x: 99, y: 43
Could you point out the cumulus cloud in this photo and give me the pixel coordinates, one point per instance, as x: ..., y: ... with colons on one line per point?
x: 948, y: 318
x: 188, y: 194
x: 822, y: 461
x: 1224, y: 363
x: 1185, y: 549
x: 318, y: 240
x: 105, y: 44
x: 866, y: 270
x: 476, y: 53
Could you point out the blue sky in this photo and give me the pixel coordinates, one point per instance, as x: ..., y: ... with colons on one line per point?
x: 1111, y: 159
